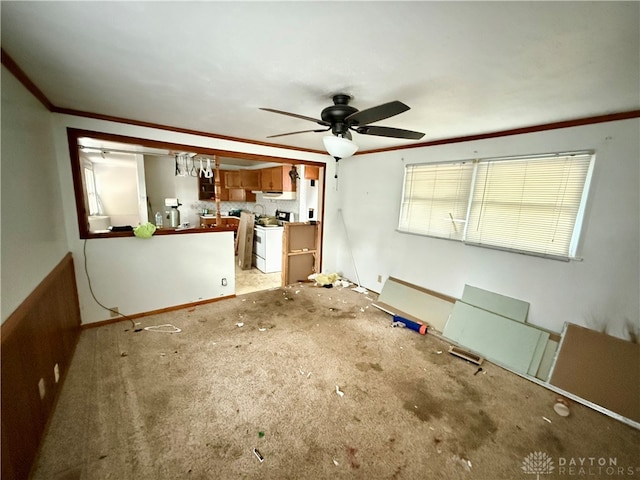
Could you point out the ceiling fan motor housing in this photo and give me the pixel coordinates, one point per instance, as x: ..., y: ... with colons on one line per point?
x: 335, y: 114
x: 340, y: 118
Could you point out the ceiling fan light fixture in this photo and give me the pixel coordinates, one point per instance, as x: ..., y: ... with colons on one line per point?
x: 339, y: 147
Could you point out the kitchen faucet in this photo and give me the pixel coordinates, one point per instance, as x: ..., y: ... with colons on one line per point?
x: 259, y: 205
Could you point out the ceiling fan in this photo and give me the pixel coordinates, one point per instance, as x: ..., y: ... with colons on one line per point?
x: 341, y: 118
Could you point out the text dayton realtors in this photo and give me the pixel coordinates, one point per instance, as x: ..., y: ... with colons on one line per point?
x: 593, y: 466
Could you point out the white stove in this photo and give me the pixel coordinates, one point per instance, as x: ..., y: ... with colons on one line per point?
x: 267, y: 243
x: 267, y: 248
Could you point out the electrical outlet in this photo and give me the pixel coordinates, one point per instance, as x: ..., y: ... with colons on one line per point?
x: 41, y: 388
x: 224, y: 282
x: 115, y: 312
x: 56, y: 372
x: 379, y: 278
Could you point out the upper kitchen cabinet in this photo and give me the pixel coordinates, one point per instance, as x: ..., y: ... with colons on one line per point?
x: 277, y: 179
x: 207, y: 188
x: 241, y: 195
x: 250, y: 179
x: 245, y: 179
x: 232, y: 179
x: 311, y: 172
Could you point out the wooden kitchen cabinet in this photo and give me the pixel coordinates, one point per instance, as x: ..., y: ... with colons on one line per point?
x: 232, y: 179
x: 277, y: 179
x: 241, y: 195
x: 311, y: 172
x: 240, y: 183
x: 224, y: 221
x: 250, y: 179
x: 207, y: 188
x: 246, y: 179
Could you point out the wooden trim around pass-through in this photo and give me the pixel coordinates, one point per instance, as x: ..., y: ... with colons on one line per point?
x: 75, y: 133
x: 140, y: 123
x: 73, y: 140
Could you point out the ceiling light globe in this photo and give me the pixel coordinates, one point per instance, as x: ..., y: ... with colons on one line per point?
x: 339, y: 147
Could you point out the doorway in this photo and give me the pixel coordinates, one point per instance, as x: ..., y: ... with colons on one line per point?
x: 269, y: 252
x: 254, y: 280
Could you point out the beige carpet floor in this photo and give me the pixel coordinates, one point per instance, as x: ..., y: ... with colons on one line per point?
x: 323, y: 387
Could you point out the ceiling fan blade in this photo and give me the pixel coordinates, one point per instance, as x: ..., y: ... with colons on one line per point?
x: 301, y: 131
x: 375, y: 114
x: 389, y: 132
x: 311, y: 119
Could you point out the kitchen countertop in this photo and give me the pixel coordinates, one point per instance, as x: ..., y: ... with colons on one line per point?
x: 163, y: 231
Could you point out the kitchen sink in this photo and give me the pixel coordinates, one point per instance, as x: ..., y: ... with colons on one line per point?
x: 267, y: 221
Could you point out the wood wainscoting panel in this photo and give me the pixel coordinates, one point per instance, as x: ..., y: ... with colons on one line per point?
x: 41, y: 334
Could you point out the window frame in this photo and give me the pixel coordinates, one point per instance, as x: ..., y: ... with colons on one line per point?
x: 572, y: 240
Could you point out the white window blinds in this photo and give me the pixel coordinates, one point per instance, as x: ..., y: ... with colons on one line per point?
x: 435, y: 199
x: 529, y: 205
x: 532, y: 204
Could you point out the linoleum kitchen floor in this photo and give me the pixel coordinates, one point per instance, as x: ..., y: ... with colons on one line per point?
x: 253, y: 280
x: 323, y: 387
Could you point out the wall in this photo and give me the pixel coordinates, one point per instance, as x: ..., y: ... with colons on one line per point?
x: 271, y: 205
x: 144, y: 275
x: 141, y: 275
x: 186, y: 189
x: 309, y: 196
x: 33, y: 236
x: 117, y: 187
x: 159, y: 173
x: 600, y: 292
x: 40, y: 315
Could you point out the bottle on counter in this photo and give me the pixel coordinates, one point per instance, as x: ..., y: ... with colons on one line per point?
x: 158, y: 220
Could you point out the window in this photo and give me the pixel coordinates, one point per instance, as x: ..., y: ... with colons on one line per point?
x: 90, y: 186
x: 525, y: 204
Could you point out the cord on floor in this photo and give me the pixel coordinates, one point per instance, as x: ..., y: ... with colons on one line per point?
x: 86, y: 271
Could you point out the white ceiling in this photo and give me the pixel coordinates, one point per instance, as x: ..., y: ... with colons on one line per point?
x: 464, y: 68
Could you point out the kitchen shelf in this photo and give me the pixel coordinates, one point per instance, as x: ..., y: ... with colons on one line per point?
x: 301, y: 245
x: 207, y: 188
